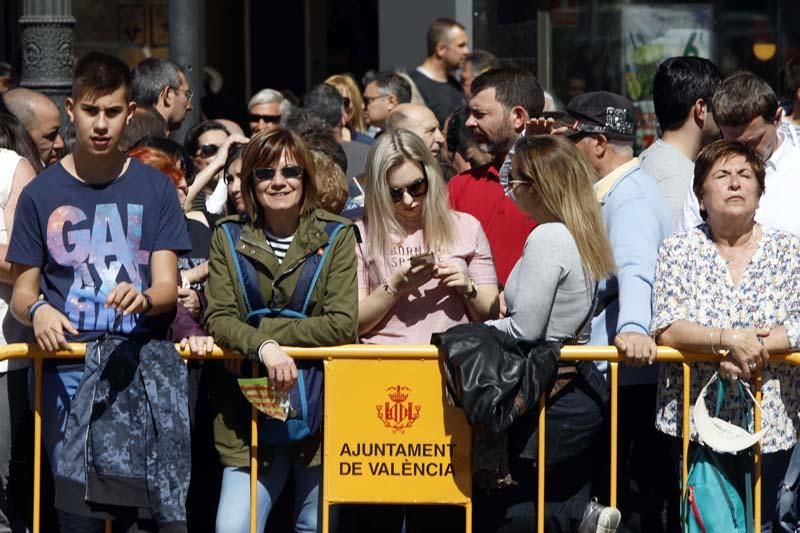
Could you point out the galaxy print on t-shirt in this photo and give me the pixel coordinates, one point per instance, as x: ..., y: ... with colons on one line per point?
x: 101, y: 251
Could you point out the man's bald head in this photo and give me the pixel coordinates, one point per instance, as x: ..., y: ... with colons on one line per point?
x: 419, y: 120
x: 40, y: 116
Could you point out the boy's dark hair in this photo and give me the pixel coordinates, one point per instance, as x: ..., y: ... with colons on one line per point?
x: 743, y: 97
x: 391, y: 83
x: 513, y: 86
x: 791, y: 77
x: 679, y: 82
x: 193, y: 135
x: 98, y: 73
x: 325, y: 102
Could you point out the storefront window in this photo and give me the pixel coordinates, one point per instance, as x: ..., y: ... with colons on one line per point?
x: 617, y: 46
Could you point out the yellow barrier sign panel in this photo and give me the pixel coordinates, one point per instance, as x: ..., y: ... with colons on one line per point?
x: 390, y: 435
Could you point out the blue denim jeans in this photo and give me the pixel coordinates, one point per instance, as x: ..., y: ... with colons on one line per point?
x: 233, y: 514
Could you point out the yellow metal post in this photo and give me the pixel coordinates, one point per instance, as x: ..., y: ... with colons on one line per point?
x: 253, y: 460
x: 37, y: 443
x: 757, y: 457
x: 614, y: 429
x: 687, y: 428
x: 541, y: 467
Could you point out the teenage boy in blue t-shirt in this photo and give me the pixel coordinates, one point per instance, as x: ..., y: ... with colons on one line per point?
x: 94, y: 245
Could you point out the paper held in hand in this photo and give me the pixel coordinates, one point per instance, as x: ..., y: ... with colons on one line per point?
x: 260, y: 393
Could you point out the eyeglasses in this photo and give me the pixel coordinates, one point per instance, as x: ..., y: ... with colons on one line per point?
x: 415, y: 189
x: 207, y: 150
x: 508, y: 185
x: 269, y: 119
x: 268, y: 173
x: 186, y: 92
x: 369, y: 99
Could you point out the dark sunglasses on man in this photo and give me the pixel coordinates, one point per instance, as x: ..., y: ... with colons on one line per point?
x: 206, y: 151
x: 269, y: 119
x: 268, y: 173
x: 415, y: 189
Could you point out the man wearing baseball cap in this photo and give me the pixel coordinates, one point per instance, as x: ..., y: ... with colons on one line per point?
x: 637, y: 218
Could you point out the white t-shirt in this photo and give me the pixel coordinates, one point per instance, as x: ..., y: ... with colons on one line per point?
x: 11, y: 331
x: 778, y: 206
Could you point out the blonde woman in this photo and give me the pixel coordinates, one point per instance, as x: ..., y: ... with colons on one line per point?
x: 549, y: 296
x: 422, y: 267
x: 353, y: 106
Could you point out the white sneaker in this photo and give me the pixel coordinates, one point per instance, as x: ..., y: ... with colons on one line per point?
x: 599, y: 518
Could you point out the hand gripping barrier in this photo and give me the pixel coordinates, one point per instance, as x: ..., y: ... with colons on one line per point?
x: 383, y: 354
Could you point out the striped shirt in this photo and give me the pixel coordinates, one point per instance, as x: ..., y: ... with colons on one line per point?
x: 279, y: 245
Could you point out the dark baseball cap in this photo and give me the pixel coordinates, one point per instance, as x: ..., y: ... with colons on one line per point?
x: 602, y: 112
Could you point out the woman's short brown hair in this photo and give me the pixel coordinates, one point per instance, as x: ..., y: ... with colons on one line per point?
x: 720, y: 151
x: 264, y: 150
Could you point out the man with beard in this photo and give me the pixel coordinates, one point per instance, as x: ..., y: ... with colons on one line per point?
x: 503, y: 100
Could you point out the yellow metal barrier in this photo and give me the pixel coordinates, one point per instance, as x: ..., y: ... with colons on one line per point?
x: 421, y: 352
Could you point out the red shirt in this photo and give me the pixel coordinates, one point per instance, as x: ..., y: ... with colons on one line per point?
x: 479, y: 193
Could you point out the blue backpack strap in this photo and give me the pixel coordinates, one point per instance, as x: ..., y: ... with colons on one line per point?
x: 245, y: 271
x: 309, y: 275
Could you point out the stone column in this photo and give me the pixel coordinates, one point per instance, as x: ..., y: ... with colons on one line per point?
x: 46, y: 28
x: 184, y: 49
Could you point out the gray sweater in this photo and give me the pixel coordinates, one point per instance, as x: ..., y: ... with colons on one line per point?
x: 548, y: 294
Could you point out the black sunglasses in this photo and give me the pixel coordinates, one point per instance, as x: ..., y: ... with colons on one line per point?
x: 346, y: 102
x: 208, y: 150
x: 415, y: 189
x: 269, y: 119
x: 268, y: 173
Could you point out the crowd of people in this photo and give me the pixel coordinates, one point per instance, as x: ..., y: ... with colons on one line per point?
x: 385, y: 213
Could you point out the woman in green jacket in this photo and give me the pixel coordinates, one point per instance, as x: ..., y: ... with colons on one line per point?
x: 282, y: 229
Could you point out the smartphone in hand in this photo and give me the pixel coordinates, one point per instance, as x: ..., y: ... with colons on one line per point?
x: 423, y: 259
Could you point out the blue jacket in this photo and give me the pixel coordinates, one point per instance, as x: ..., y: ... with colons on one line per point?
x: 637, y: 218
x: 126, y: 442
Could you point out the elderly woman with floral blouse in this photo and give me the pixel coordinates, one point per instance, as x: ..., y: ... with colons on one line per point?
x: 730, y: 287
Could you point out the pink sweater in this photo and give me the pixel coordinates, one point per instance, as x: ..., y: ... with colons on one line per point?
x: 431, y: 308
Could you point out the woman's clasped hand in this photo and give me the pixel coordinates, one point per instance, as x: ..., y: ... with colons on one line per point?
x: 745, y: 351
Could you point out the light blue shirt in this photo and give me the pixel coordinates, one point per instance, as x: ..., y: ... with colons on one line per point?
x: 637, y: 219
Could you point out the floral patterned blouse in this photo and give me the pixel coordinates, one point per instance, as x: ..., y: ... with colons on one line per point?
x: 693, y: 283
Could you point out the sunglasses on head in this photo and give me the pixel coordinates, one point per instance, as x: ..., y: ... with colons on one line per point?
x: 416, y: 189
x: 268, y: 173
x: 207, y: 150
x: 269, y: 119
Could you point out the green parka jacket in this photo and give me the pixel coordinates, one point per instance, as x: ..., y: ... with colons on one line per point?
x: 332, y: 316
